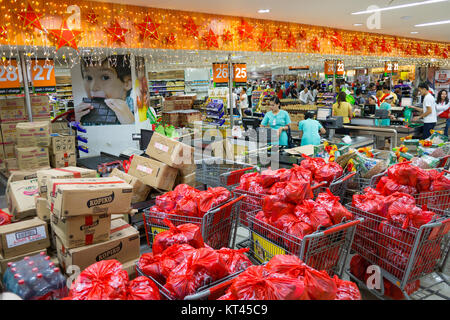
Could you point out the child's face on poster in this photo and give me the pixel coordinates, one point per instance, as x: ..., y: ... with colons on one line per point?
x: 103, y: 82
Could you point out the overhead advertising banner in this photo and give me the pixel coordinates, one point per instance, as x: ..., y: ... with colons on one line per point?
x: 10, y: 78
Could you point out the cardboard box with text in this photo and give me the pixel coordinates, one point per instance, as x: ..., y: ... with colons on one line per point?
x: 140, y: 189
x: 30, y: 134
x: 63, y: 159
x: 20, y: 197
x: 12, y: 110
x: 32, y: 157
x: 153, y: 173
x: 169, y: 151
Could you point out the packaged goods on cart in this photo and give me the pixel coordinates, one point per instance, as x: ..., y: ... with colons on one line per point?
x: 140, y: 189
x: 286, y: 277
x: 20, y: 198
x: 106, y: 280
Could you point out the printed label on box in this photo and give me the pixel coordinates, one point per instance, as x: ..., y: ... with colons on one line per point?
x: 161, y: 147
x: 25, y: 236
x: 144, y: 169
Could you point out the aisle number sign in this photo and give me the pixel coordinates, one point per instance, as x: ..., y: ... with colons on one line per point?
x: 240, y: 72
x: 10, y: 78
x: 340, y: 69
x: 42, y: 75
x: 329, y: 68
x: 391, y: 67
x: 220, y: 72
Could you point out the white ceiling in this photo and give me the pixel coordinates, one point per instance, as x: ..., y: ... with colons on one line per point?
x: 331, y: 13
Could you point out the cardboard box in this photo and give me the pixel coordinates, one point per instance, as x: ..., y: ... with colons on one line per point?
x: 23, y: 237
x: 12, y: 164
x: 40, y: 107
x: 24, y: 174
x: 124, y: 217
x: 42, y: 209
x: 4, y: 261
x: 9, y: 149
x: 31, y: 134
x: 81, y: 230
x: 9, y: 132
x: 59, y: 127
x: 12, y: 110
x: 20, y: 197
x: 44, y: 176
x: 153, y: 173
x: 140, y: 189
x: 63, y: 159
x: 62, y: 143
x: 171, y: 152
x: 189, y: 180
x: 32, y: 157
x: 187, y: 170
x: 77, y: 197
x: 130, y: 268
x: 123, y: 245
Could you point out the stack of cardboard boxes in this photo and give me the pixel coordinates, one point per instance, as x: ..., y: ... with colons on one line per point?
x: 62, y: 151
x: 33, y: 140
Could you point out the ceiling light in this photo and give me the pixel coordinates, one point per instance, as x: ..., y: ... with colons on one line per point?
x: 432, y: 23
x: 400, y: 6
x: 357, y: 24
x: 414, y: 32
x: 263, y: 11
x: 405, y: 17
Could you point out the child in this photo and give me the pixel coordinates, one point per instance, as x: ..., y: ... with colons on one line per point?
x: 110, y: 80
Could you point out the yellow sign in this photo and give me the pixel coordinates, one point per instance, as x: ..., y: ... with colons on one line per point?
x: 156, y: 230
x: 264, y: 249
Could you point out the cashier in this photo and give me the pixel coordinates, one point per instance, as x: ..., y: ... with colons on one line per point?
x: 309, y: 130
x: 385, y: 105
x: 277, y: 119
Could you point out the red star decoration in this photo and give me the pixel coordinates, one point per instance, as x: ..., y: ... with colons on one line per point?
x: 408, y: 49
x: 3, y: 33
x: 245, y: 30
x: 65, y: 36
x: 31, y: 18
x: 291, y: 41
x: 211, y: 39
x: 336, y: 39
x: 227, y: 36
x: 445, y: 53
x: 429, y: 49
x: 171, y: 38
x: 385, y: 47
x: 315, y: 44
x: 323, y: 34
x: 148, y: 29
x: 356, y: 44
x: 265, y: 42
x: 345, y: 46
x: 302, y: 35
x: 116, y: 32
x: 396, y: 43
x: 372, y: 47
x: 92, y: 17
x: 191, y: 28
x: 437, y: 51
x: 278, y: 34
x: 419, y: 49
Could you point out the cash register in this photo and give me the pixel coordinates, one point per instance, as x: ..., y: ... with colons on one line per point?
x: 324, y: 116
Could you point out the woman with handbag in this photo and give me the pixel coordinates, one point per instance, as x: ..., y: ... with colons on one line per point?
x: 443, y: 108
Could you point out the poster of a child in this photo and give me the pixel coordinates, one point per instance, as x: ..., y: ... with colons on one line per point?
x: 107, y: 84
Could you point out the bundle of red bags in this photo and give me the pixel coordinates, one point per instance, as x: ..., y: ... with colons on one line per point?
x: 406, y: 178
x: 185, y: 200
x: 105, y: 280
x: 286, y: 277
x: 5, y: 218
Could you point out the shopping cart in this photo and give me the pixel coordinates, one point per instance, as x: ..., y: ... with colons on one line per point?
x: 363, y: 183
x: 326, y: 249
x: 211, y: 291
x: 403, y: 255
x: 218, y: 172
x: 338, y: 186
x: 218, y: 225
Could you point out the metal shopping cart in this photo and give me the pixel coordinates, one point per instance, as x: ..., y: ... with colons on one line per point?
x: 338, y: 186
x: 403, y: 255
x: 218, y: 225
x: 323, y: 250
x: 218, y: 172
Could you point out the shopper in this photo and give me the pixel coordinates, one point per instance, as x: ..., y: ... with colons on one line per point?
x: 398, y: 92
x: 279, y: 92
x: 309, y: 130
x: 277, y: 119
x: 428, y: 111
x: 315, y: 91
x: 443, y: 107
x: 305, y: 96
x: 359, y: 100
x: 385, y: 105
x: 386, y: 92
x: 293, y: 92
x: 249, y: 95
x: 342, y: 108
x: 243, y: 102
x: 372, y: 90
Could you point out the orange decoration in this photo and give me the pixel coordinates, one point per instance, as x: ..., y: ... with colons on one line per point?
x: 396, y: 44
x: 315, y: 44
x: 65, y: 36
x: 191, y: 28
x: 171, y: 38
x: 227, y: 36
x: 323, y: 34
x: 265, y: 42
x: 437, y: 51
x: 373, y: 47
x: 116, y: 32
x: 445, y: 54
x: 419, y: 49
x: 211, y: 39
x: 385, y: 47
x: 31, y: 18
x: 291, y: 41
x: 408, y: 49
x: 302, y: 35
x: 336, y: 39
x: 148, y: 29
x: 356, y: 44
x: 278, y: 34
x: 245, y: 30
x: 91, y: 17
x: 3, y: 33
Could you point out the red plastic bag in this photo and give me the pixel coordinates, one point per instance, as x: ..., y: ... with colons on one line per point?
x: 104, y: 280
x: 319, y: 217
x: 403, y: 173
x: 228, y: 296
x: 395, y: 293
x: 346, y: 290
x: 402, y: 199
x: 246, y: 179
x: 299, y: 173
x: 283, y: 174
x: 423, y: 180
x: 439, y: 182
x: 303, y: 211
x: 183, y: 190
x: 369, y: 202
x: 312, y: 164
x: 288, y: 265
x: 390, y: 186
x: 400, y: 214
x: 274, y: 207
x: 394, y: 236
x: 186, y: 233
x: 235, y: 260
x: 319, y: 285
x: 296, y: 191
x: 212, y: 198
x: 5, y: 218
x: 328, y: 172
x: 358, y: 267
x: 142, y: 288
x: 188, y: 206
x: 256, y: 283
x: 150, y: 264
x: 166, y: 202
x: 173, y: 256
x: 269, y: 177
x: 278, y: 189
x: 336, y: 211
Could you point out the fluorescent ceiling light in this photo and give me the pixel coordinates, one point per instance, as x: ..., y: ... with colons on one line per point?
x: 263, y: 11
x: 414, y: 32
x: 357, y: 24
x: 414, y: 4
x: 432, y: 23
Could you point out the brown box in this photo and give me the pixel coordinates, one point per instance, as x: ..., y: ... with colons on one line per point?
x: 169, y: 151
x: 12, y: 164
x: 77, y: 197
x: 12, y: 110
x: 42, y: 209
x: 62, y: 143
x: 124, y: 217
x: 188, y: 179
x: 32, y: 157
x: 187, y: 170
x: 18, y: 175
x: 44, y: 176
x: 123, y: 245
x: 40, y: 107
x: 140, y: 189
x: 20, y: 197
x: 153, y: 173
x: 4, y: 261
x: 63, y: 159
x: 23, y: 237
x: 130, y: 268
x: 81, y: 230
x: 10, y: 150
x: 59, y: 127
x: 9, y: 132
x: 31, y: 134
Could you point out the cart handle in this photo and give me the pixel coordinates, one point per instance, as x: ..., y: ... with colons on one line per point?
x: 318, y: 185
x: 347, y: 177
x: 229, y: 203
x: 343, y: 226
x: 241, y: 170
x: 210, y: 291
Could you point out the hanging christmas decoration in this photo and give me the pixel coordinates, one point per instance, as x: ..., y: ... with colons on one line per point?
x: 356, y: 44
x: 419, y: 49
x: 408, y: 49
x: 428, y: 49
x: 315, y: 44
x: 336, y: 39
x: 291, y: 41
x: 265, y: 42
x: 245, y: 30
x: 385, y: 47
x: 31, y: 18
x: 396, y: 43
x: 323, y: 34
x: 278, y: 34
x: 302, y: 35
x: 346, y: 46
x: 372, y: 47
x: 437, y: 51
x: 227, y: 36
x: 445, y: 53
x: 171, y: 38
x: 92, y: 17
x: 191, y: 28
x: 3, y: 33
x: 65, y: 36
x: 211, y: 39
x: 116, y: 32
x: 148, y: 29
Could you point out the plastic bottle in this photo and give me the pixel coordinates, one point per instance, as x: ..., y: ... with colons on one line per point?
x: 42, y: 262
x: 24, y: 291
x: 9, y: 273
x: 40, y: 287
x: 13, y: 283
x: 33, y: 277
x: 47, y: 271
x: 58, y: 283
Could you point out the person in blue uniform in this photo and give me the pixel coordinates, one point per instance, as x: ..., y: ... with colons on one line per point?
x: 310, y: 129
x: 277, y: 119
